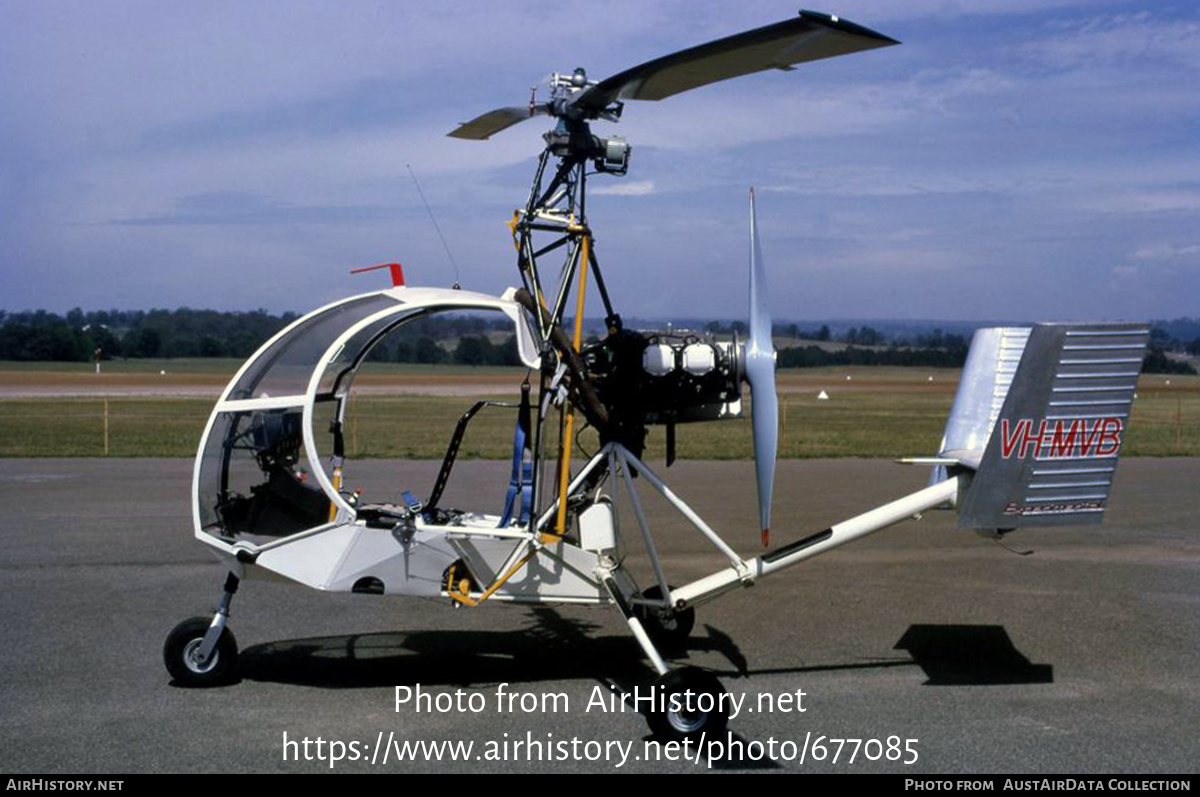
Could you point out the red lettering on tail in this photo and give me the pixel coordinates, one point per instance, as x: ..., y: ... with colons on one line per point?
x: 1102, y: 439
x: 1036, y: 441
x: 1110, y: 437
x: 1061, y: 446
x: 1008, y: 441
x: 1089, y: 442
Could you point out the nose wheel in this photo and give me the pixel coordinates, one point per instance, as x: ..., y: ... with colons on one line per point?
x: 201, y: 651
x: 183, y: 653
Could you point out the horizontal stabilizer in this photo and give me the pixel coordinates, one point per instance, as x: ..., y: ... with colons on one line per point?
x: 1049, y: 455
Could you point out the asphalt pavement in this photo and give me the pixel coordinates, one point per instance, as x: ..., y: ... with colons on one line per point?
x: 922, y: 642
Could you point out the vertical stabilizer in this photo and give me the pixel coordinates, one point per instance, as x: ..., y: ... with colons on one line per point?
x: 987, y: 375
x: 1052, y: 452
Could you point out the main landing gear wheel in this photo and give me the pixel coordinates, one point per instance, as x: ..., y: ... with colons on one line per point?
x: 694, y: 703
x: 667, y: 628
x: 180, y: 654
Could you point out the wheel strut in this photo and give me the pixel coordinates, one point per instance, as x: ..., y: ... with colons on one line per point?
x: 635, y: 625
x: 209, y: 644
x: 201, y: 651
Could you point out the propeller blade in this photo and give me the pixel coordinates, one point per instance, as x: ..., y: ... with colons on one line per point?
x: 808, y: 37
x: 489, y: 124
x: 760, y: 373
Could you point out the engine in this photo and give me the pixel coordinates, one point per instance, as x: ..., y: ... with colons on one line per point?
x: 664, y: 378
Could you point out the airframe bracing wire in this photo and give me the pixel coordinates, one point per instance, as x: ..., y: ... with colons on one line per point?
x: 412, y: 174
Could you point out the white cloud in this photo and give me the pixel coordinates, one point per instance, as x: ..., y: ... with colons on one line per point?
x: 634, y: 188
x: 1166, y: 251
x: 1148, y: 201
x: 990, y: 141
x: 1118, y: 40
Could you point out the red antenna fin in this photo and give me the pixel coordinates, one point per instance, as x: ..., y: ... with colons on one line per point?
x: 396, y: 269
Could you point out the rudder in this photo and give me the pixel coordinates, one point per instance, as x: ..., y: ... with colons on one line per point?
x: 1052, y: 452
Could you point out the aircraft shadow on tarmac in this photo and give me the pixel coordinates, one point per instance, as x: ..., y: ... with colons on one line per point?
x: 970, y: 655
x: 552, y: 648
x: 557, y: 647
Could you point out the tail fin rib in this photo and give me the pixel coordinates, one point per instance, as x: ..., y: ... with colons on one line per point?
x: 1049, y: 454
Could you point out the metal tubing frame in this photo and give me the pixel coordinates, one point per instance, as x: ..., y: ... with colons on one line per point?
x: 710, y: 587
x: 741, y: 572
x: 628, y: 459
x: 635, y: 626
x: 651, y: 549
x: 600, y: 457
x: 566, y: 434
x: 571, y: 222
x: 571, y: 176
x: 639, y: 633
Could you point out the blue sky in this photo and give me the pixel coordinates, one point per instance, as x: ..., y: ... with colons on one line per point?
x: 1010, y: 160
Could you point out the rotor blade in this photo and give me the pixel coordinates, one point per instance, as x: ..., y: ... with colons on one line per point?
x: 760, y: 373
x: 489, y: 124
x: 809, y: 37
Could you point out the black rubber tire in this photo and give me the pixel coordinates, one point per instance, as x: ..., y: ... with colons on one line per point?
x: 667, y: 629
x: 182, y: 642
x: 679, y: 724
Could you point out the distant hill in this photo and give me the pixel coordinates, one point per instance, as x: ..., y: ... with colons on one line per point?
x: 485, y: 339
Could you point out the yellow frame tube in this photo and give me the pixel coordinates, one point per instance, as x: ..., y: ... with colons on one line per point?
x: 564, y: 458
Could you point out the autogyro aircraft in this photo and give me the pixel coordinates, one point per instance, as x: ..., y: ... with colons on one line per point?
x: 1032, y: 438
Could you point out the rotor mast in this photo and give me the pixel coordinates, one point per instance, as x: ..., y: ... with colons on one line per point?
x: 555, y: 217
x: 557, y: 208
x: 557, y: 203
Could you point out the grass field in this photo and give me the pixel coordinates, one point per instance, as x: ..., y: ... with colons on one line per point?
x: 221, y: 368
x: 224, y: 366
x: 878, y: 412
